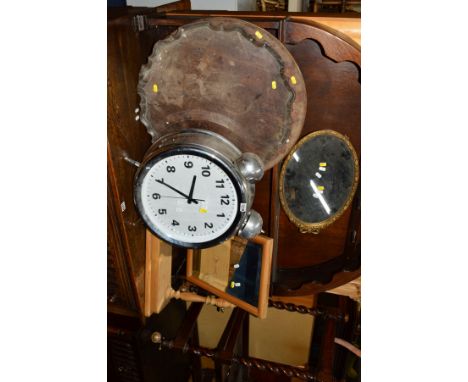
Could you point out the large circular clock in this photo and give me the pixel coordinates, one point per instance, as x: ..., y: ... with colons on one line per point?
x: 195, y: 196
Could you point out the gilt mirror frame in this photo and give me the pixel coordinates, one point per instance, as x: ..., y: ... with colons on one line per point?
x: 316, y: 227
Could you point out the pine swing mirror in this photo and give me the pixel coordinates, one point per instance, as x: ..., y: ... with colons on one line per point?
x: 237, y: 271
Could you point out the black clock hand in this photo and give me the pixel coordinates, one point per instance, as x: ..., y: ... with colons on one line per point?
x: 175, y: 189
x: 192, y: 188
x: 180, y: 197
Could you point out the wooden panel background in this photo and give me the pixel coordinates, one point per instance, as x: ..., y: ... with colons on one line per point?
x: 126, y: 138
x: 330, y: 63
x: 333, y: 92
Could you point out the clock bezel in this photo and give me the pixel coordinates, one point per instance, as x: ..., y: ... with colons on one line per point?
x: 227, y: 166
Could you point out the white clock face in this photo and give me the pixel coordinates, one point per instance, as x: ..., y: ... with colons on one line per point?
x: 189, y: 198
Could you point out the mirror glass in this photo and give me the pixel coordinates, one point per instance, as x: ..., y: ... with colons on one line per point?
x: 233, y: 267
x: 319, y: 178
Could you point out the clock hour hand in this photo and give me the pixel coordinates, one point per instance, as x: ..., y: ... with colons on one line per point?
x: 192, y: 188
x: 176, y: 190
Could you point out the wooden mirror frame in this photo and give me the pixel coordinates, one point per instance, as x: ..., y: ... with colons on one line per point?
x: 265, y: 272
x: 158, y: 274
x: 303, y: 226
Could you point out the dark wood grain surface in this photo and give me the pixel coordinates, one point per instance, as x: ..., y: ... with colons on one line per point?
x: 334, y: 93
x: 126, y: 138
x: 330, y: 64
x: 331, y: 69
x: 122, y: 294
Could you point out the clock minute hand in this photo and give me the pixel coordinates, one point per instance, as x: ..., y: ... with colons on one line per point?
x: 175, y: 189
x: 179, y: 197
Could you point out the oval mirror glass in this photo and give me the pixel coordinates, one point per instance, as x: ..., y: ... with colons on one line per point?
x: 318, y: 180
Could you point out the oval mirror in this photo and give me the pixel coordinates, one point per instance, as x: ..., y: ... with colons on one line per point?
x: 318, y: 180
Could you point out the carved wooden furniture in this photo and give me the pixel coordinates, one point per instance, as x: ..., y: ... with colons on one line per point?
x: 330, y: 63
x: 338, y: 4
x: 121, y: 290
x: 231, y: 353
x: 303, y: 264
x: 275, y: 4
x: 351, y: 289
x: 336, y: 92
x: 330, y: 359
x: 122, y: 356
x: 341, y: 5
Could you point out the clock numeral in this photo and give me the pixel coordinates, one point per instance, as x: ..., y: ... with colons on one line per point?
x: 206, y: 171
x: 221, y: 215
x: 225, y: 200
x: 175, y: 222
x: 192, y: 228
x: 162, y: 211
x: 220, y: 183
x: 188, y: 164
x: 156, y: 196
x: 170, y: 169
x: 208, y: 225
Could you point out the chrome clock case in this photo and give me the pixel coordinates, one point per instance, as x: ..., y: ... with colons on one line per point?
x: 244, y: 169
